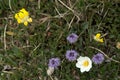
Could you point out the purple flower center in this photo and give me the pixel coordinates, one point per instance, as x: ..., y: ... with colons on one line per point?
x: 53, y: 62
x: 71, y: 36
x: 97, y: 57
x: 71, y: 54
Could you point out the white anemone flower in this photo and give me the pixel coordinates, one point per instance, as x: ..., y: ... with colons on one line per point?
x: 84, y: 63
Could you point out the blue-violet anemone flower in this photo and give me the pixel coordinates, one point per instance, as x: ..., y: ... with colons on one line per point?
x: 54, y: 62
x: 71, y: 55
x: 72, y: 38
x: 98, y: 58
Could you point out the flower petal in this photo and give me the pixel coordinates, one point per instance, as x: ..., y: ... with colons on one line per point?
x: 101, y: 40
x: 98, y: 35
x: 25, y: 23
x: 29, y: 20
x: 78, y: 65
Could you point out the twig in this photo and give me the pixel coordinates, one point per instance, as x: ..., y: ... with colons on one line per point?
x: 26, y: 46
x: 103, y: 18
x: 10, y: 6
x: 39, y: 4
x: 8, y: 72
x: 104, y: 54
x: 5, y: 37
x: 36, y: 47
x: 71, y: 22
x: 51, y: 78
x: 66, y: 6
x: 74, y: 12
x: 48, y: 27
x: 69, y: 3
x: 61, y: 34
x: 104, y: 35
x: 61, y: 15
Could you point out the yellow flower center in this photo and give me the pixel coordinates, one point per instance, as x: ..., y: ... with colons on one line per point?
x: 85, y: 63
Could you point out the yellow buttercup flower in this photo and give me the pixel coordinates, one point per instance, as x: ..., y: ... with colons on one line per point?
x: 23, y: 17
x: 98, y: 38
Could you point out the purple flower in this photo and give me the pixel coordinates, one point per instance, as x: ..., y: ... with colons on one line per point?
x: 54, y: 62
x: 71, y: 55
x: 98, y: 58
x: 72, y: 38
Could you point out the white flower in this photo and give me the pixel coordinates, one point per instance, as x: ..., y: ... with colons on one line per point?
x: 84, y: 63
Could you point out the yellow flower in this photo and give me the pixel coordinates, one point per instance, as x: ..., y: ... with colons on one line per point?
x: 118, y: 45
x: 84, y: 63
x: 23, y: 17
x: 98, y: 38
